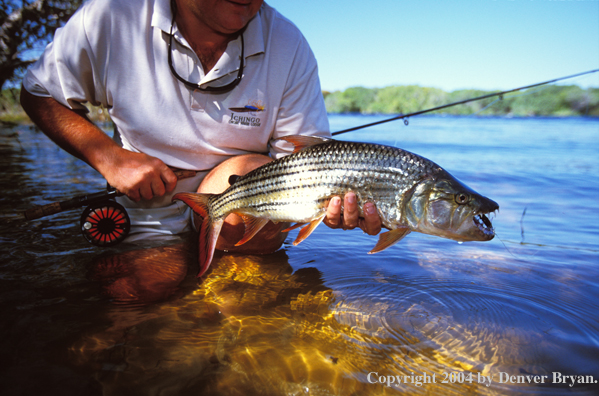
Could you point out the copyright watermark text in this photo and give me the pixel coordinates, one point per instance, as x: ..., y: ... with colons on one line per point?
x: 464, y: 377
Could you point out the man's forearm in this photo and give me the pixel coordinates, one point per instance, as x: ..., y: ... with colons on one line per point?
x: 70, y: 129
x: 135, y: 174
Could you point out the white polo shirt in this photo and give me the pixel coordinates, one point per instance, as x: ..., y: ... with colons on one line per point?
x: 114, y: 53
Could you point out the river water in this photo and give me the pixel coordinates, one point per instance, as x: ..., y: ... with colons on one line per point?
x: 323, y: 317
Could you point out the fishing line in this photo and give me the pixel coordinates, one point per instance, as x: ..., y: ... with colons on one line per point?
x: 545, y: 245
x: 499, y: 99
x: 491, y: 95
x: 508, y: 250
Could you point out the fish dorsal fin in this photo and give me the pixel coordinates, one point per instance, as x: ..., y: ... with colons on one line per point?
x: 300, y: 142
x: 389, y: 238
x: 307, y: 230
x: 252, y: 226
x: 199, y: 203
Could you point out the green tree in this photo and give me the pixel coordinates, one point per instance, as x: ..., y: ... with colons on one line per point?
x: 403, y: 99
x: 552, y: 100
x: 352, y: 100
x: 26, y: 26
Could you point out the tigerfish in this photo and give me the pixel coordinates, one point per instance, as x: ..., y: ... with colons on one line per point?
x: 410, y: 192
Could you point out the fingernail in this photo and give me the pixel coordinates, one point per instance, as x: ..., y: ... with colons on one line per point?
x: 351, y: 198
x: 369, y: 208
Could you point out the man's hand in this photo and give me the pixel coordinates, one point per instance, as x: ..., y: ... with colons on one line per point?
x: 138, y: 175
x: 370, y: 223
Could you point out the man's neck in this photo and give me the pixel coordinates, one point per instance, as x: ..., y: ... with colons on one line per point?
x: 206, y: 43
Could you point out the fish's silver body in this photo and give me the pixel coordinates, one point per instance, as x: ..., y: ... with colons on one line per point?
x: 411, y: 193
x: 297, y: 188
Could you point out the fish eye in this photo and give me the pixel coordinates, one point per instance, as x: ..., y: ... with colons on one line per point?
x: 462, y: 198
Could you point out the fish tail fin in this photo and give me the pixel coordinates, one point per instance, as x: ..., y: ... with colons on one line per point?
x: 199, y: 203
x: 209, y: 230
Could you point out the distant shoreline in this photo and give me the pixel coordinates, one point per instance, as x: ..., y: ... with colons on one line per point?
x: 556, y: 101
x: 552, y: 101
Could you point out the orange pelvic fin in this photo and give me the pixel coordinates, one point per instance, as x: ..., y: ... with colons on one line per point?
x: 389, y: 238
x: 301, y: 142
x: 307, y: 230
x: 252, y: 226
x: 293, y: 227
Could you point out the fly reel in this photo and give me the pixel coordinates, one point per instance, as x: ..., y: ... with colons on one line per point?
x: 105, y: 223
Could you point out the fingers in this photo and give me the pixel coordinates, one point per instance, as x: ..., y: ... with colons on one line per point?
x: 333, y: 217
x: 170, y: 179
x: 350, y: 218
x: 140, y: 176
x: 351, y: 212
x: 156, y: 185
x: 371, y: 223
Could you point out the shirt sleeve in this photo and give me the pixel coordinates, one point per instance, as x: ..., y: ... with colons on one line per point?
x: 67, y: 70
x: 302, y: 110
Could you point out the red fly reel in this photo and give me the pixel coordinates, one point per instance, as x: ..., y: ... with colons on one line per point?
x: 105, y: 223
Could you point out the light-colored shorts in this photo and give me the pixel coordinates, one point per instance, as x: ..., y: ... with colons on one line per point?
x: 160, y: 217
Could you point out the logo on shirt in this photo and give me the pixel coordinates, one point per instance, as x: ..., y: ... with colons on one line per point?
x: 249, y: 116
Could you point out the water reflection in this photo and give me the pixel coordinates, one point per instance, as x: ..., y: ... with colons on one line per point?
x: 234, y: 328
x: 313, y: 319
x: 139, y: 277
x: 254, y: 326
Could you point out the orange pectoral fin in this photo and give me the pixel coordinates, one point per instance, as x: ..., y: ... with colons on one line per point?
x: 307, y: 230
x: 208, y: 236
x: 389, y: 238
x: 252, y: 226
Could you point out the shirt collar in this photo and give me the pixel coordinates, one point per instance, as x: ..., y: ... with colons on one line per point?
x: 253, y: 35
x: 162, y: 15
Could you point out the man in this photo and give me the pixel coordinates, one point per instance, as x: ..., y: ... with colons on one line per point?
x: 191, y: 84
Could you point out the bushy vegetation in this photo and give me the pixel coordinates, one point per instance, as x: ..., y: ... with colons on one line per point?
x: 554, y: 100
x: 26, y: 26
x: 11, y: 111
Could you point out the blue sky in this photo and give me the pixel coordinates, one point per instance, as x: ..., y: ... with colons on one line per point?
x: 448, y: 44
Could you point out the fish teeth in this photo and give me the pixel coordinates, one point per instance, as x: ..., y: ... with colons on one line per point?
x: 483, y: 223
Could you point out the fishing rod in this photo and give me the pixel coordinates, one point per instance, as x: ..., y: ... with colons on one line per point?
x: 500, y: 94
x: 104, y: 222
x: 83, y: 200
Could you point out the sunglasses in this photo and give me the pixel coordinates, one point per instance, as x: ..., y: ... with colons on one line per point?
x: 195, y: 86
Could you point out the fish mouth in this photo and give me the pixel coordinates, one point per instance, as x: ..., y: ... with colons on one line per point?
x: 484, y: 225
